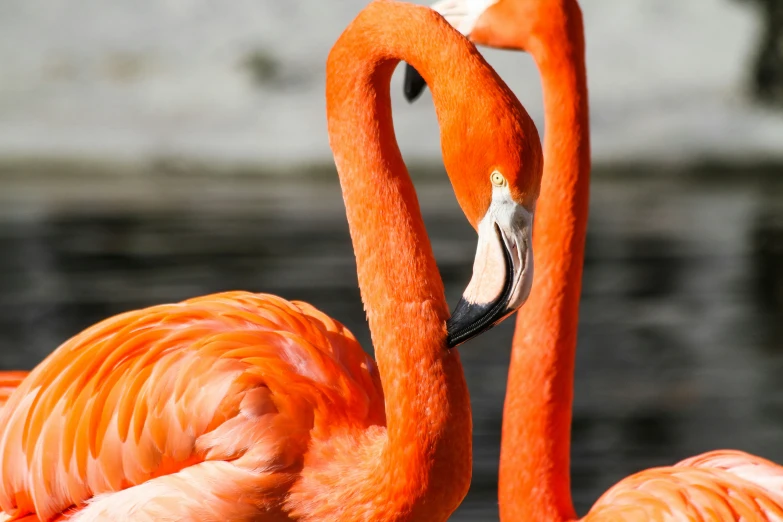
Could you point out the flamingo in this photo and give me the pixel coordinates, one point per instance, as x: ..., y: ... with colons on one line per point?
x: 534, y: 481
x: 240, y: 406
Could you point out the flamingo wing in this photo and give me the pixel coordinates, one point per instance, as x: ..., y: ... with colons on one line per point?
x: 202, y: 409
x: 10, y: 381
x: 762, y: 472
x: 715, y: 486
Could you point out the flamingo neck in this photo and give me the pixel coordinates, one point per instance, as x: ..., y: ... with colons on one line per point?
x: 420, y: 467
x: 534, y: 482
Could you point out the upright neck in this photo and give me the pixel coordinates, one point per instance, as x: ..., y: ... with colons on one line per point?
x: 534, y: 481
x: 423, y: 469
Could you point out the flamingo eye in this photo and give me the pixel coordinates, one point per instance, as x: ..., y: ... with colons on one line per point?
x: 497, y: 179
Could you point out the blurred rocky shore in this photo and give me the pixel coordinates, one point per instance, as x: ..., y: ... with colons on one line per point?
x: 671, y: 83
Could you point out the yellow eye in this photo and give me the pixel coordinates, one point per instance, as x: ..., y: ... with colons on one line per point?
x: 497, y: 179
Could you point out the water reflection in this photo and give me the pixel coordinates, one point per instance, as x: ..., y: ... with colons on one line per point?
x: 680, y: 347
x: 767, y: 245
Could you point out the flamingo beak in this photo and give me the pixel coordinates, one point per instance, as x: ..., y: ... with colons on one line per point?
x: 502, y: 270
x: 413, y: 84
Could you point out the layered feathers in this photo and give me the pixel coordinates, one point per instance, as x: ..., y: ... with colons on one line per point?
x: 719, y: 486
x: 233, y: 386
x: 9, y: 381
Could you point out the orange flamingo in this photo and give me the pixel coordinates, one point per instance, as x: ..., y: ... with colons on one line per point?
x: 534, y: 481
x: 240, y: 406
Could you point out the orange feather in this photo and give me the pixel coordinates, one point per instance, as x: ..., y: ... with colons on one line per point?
x: 9, y: 381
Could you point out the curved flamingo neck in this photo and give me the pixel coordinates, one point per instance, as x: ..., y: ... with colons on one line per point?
x: 423, y: 468
x: 534, y: 482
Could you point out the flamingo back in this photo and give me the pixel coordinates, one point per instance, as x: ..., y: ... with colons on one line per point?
x: 723, y: 485
x: 232, y: 385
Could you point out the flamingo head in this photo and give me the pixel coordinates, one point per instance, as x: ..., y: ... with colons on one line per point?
x: 492, y: 154
x: 503, y: 264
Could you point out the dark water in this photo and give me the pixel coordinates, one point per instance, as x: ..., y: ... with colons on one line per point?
x: 680, y: 337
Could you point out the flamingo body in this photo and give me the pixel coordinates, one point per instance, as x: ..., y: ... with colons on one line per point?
x: 237, y: 390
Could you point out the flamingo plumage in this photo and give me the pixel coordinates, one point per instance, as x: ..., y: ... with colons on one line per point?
x: 240, y: 406
x: 534, y: 479
x: 9, y: 381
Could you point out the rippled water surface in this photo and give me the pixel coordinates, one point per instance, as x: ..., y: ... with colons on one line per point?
x: 679, y: 341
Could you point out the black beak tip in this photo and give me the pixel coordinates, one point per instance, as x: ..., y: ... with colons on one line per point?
x: 466, y: 322
x: 413, y: 84
x: 451, y: 337
x: 470, y: 319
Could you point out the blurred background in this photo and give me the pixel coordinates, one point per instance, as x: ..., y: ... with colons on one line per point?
x: 154, y: 150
